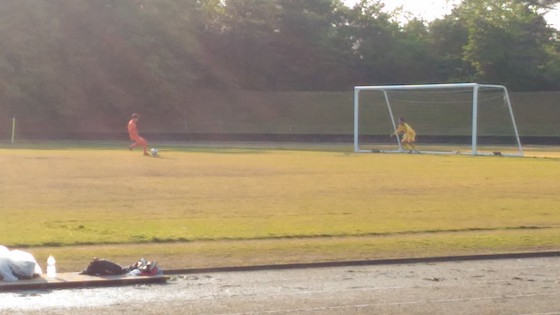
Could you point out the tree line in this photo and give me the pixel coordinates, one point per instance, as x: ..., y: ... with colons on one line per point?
x: 62, y: 53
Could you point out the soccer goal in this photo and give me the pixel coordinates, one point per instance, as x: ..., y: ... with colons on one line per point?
x: 461, y: 118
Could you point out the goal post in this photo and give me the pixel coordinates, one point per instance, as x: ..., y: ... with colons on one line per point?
x: 451, y: 116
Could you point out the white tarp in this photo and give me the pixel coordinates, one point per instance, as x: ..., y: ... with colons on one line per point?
x: 17, y: 264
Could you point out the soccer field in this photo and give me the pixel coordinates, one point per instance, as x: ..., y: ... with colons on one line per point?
x: 199, y: 206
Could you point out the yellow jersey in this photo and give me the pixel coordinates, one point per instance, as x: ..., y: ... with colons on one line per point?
x: 407, y: 132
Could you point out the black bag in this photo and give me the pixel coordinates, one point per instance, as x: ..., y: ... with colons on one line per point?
x: 102, y: 267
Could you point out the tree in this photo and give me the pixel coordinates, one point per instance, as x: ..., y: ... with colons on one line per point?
x: 448, y: 37
x: 417, y: 60
x: 374, y: 41
x: 508, y: 42
x: 305, y: 41
x: 278, y: 44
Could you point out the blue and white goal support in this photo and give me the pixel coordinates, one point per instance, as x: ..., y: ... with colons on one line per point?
x: 470, y: 102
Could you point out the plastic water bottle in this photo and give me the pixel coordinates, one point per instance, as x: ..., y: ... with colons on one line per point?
x: 51, y: 267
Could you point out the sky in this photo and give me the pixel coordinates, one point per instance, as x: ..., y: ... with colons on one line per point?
x: 432, y: 9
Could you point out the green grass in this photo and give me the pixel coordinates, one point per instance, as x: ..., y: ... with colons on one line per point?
x: 237, y: 205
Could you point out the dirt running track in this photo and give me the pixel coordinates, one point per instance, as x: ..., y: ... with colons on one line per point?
x: 511, y: 286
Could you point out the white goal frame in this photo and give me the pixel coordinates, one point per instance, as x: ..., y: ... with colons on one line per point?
x: 475, y: 88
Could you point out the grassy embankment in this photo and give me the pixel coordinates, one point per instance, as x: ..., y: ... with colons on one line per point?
x: 212, y: 207
x: 253, y: 112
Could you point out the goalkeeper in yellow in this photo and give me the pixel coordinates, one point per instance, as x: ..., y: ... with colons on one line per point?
x: 408, y: 139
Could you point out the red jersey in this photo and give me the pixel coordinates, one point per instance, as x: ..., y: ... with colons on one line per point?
x: 132, y: 130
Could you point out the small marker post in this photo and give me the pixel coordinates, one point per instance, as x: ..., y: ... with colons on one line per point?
x: 13, y: 128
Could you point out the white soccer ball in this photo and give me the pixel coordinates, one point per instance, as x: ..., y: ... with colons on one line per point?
x: 154, y: 151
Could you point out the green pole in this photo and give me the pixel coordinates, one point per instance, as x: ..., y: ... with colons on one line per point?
x: 13, y: 128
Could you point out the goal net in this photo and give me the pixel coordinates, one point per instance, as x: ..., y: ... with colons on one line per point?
x: 457, y: 118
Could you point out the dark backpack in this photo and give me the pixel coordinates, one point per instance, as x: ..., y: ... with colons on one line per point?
x: 102, y: 267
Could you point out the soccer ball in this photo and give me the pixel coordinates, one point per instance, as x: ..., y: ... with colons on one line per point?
x: 154, y: 151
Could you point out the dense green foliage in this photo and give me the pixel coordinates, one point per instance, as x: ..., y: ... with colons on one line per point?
x: 76, y: 59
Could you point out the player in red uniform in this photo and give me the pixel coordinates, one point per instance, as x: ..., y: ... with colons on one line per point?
x: 135, y: 136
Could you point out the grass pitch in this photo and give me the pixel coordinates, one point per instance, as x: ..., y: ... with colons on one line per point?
x: 212, y: 206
